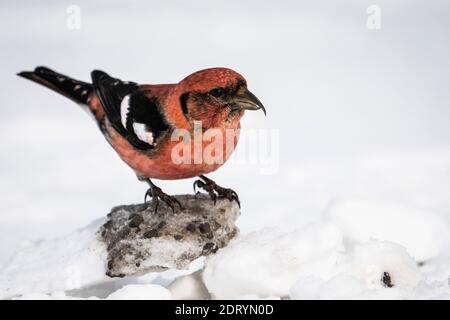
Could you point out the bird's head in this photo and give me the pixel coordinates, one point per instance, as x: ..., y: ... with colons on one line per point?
x: 217, y: 97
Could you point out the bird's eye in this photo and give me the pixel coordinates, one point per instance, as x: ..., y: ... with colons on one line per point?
x: 217, y: 92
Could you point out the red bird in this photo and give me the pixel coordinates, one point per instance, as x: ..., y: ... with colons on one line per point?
x: 138, y: 120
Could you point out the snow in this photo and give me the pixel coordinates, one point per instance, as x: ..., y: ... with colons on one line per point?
x: 52, y: 296
x: 317, y: 261
x: 363, y: 271
x: 60, y: 264
x: 423, y: 232
x: 127, y: 292
x: 267, y: 262
x: 364, y: 155
x: 141, y: 292
x: 369, y: 261
x: 189, y: 287
x: 347, y: 287
x: 74, y: 267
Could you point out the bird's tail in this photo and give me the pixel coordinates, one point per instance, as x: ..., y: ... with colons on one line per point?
x: 75, y: 90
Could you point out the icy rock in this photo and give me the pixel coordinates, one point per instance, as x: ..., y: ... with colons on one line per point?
x: 139, y: 240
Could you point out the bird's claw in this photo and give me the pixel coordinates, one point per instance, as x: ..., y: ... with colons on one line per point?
x: 208, y: 187
x: 215, y: 191
x: 157, y: 194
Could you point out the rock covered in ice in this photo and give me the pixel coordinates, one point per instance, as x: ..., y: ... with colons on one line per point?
x: 139, y: 240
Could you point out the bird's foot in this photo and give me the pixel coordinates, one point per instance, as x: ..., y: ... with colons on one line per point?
x: 215, y: 191
x: 157, y: 194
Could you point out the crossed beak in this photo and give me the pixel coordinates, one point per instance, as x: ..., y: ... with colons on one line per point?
x: 247, y: 101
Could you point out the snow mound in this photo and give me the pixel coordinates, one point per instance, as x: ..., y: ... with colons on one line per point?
x: 322, y: 260
x: 141, y: 292
x: 384, y: 264
x: 127, y: 292
x: 425, y: 234
x: 61, y: 264
x: 344, y: 286
x: 438, y: 269
x: 266, y: 263
x: 189, y: 287
x: 316, y: 262
x: 373, y: 270
x: 59, y: 295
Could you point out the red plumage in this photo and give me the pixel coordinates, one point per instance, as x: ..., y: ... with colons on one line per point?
x: 139, y: 120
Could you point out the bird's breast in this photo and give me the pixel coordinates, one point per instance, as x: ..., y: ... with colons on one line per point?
x: 180, y: 154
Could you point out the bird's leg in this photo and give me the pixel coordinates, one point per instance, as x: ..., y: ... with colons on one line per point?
x: 215, y: 191
x: 157, y: 194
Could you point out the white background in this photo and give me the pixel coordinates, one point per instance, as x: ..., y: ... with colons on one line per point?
x: 360, y: 112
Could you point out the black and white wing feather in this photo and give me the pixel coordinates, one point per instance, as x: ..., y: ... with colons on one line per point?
x: 132, y: 113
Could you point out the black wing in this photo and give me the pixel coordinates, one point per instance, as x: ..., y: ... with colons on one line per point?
x: 131, y: 112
